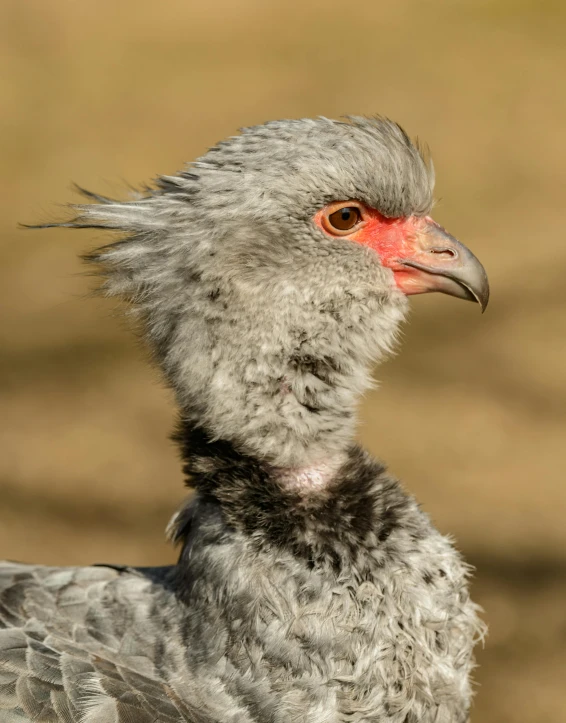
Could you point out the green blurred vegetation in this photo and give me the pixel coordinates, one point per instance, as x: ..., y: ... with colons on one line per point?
x: 472, y: 412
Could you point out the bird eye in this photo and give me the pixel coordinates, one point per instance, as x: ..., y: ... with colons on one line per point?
x: 344, y: 219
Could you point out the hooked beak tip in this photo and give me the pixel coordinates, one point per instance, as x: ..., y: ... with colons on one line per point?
x: 479, y: 294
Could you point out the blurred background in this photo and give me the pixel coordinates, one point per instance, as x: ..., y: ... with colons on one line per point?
x: 472, y: 412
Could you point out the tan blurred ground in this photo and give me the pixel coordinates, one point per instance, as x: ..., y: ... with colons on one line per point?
x: 471, y: 414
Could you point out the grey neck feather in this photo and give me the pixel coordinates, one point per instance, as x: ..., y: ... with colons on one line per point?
x: 274, y: 359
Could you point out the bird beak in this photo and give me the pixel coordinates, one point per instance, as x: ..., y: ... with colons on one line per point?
x: 436, y: 261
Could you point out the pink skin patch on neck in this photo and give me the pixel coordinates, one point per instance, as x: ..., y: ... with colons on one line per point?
x: 312, y: 477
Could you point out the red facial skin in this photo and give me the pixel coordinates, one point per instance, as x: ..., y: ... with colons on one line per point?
x: 391, y: 238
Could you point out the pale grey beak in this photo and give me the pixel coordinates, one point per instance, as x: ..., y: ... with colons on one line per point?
x: 451, y: 268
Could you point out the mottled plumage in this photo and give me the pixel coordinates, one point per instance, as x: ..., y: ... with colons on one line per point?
x: 310, y: 587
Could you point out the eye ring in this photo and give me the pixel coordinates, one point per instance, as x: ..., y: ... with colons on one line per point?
x: 342, y: 219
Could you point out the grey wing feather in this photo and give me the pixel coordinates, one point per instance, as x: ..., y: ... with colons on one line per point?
x: 72, y: 649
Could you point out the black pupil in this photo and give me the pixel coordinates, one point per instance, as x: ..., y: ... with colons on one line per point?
x: 346, y: 214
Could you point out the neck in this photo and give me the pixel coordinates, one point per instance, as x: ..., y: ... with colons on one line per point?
x: 357, y: 506
x: 281, y: 381
x: 297, y: 414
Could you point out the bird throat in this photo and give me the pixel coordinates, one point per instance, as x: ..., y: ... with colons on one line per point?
x: 312, y: 477
x: 209, y: 463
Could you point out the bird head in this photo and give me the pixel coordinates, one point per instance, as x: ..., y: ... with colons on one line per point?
x: 271, y: 273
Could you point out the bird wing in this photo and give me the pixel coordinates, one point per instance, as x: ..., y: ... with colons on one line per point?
x: 77, y: 646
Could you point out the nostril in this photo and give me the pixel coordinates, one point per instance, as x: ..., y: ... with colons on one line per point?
x: 451, y: 253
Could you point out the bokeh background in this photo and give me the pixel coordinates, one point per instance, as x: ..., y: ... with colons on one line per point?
x: 472, y: 412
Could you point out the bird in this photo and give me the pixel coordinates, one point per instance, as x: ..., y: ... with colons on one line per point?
x: 268, y: 277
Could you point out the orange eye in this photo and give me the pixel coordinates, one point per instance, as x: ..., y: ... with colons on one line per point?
x: 344, y: 219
